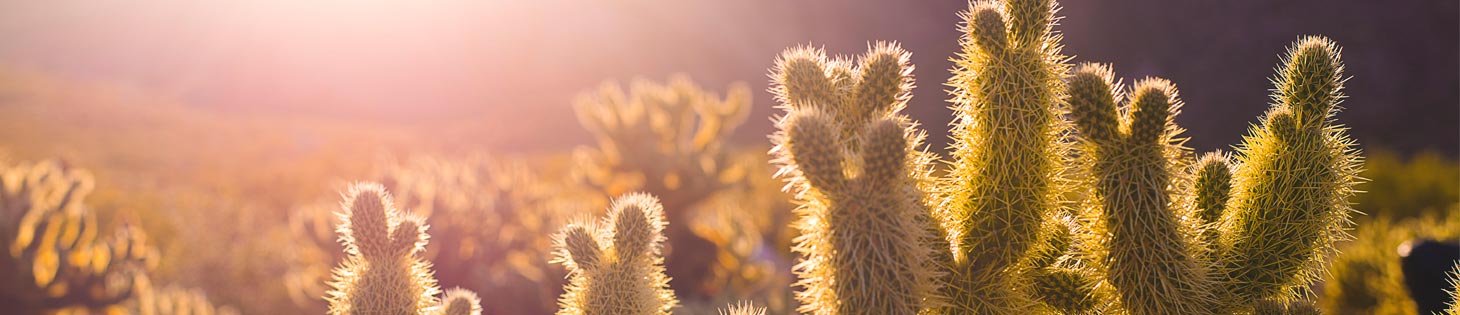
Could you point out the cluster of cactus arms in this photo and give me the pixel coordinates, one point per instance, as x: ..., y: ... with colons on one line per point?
x: 1065, y: 192
x: 383, y: 272
x: 55, y: 257
x: 615, y: 267
x: 855, y: 165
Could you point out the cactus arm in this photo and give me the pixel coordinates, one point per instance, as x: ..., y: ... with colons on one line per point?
x: 1290, y: 191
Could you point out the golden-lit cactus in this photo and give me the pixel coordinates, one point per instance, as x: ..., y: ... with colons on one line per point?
x: 615, y: 267
x: 1145, y: 249
x: 383, y: 273
x: 55, y: 256
x: 1295, y: 174
x: 856, y: 166
x: 1007, y: 151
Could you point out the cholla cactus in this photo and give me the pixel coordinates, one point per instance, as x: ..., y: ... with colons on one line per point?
x: 1136, y: 198
x: 1007, y: 168
x: 615, y: 267
x: 1290, y: 191
x: 855, y: 163
x: 1266, y: 232
x: 55, y: 256
x: 1160, y: 235
x: 383, y: 273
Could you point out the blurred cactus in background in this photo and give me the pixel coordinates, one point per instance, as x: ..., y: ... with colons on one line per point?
x: 1367, y: 277
x: 151, y: 300
x: 56, y: 256
x: 616, y: 266
x: 383, y: 273
x: 668, y: 140
x: 855, y: 164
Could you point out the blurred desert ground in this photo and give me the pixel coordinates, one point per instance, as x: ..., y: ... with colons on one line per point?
x: 215, y: 121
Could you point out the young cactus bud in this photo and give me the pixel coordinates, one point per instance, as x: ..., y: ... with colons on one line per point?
x: 744, y: 308
x: 627, y: 277
x: 459, y: 302
x: 1213, y: 186
x: 383, y: 273
x: 1290, y: 194
x: 854, y: 163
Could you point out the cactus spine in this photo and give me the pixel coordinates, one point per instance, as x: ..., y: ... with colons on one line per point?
x: 616, y: 267
x: 1454, y: 308
x: 1145, y: 249
x: 383, y: 273
x: 856, y: 168
x: 1007, y: 95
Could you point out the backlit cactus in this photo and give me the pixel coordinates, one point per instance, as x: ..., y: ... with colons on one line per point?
x: 1145, y: 250
x: 383, y: 273
x: 1262, y: 227
x: 1007, y: 151
x: 856, y: 166
x: 1295, y: 174
x: 615, y: 267
x: 1158, y: 232
x: 56, y: 257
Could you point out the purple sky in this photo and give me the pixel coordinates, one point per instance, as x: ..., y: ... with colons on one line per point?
x: 511, y: 68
